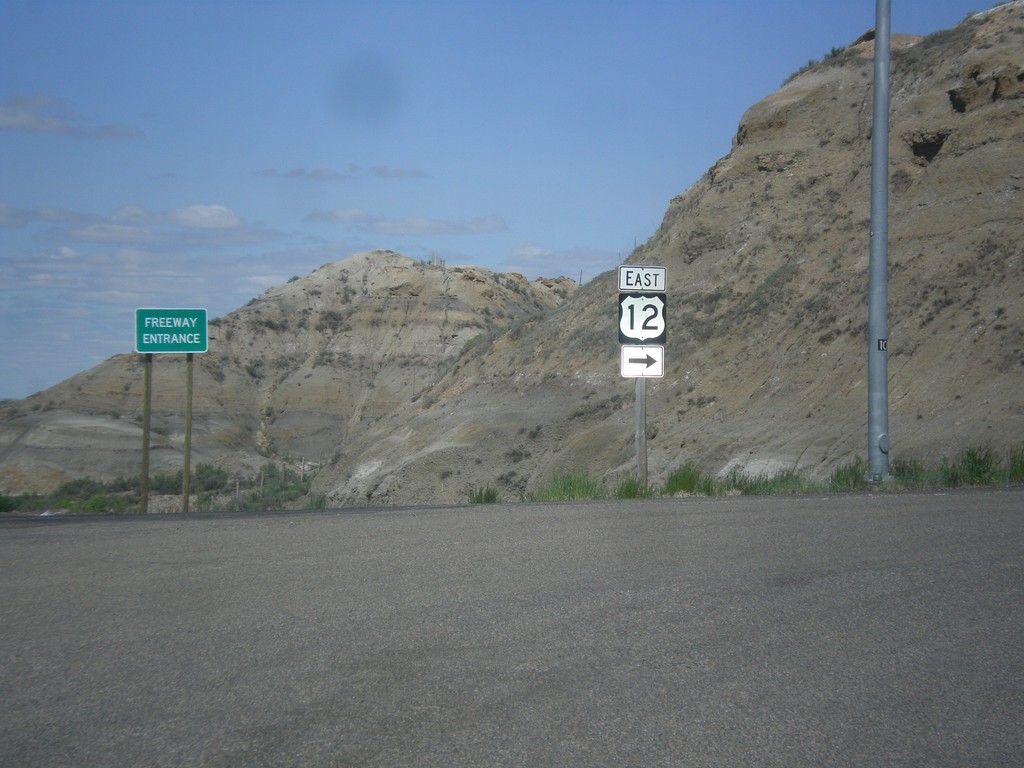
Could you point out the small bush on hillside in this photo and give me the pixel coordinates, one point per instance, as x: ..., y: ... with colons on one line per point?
x: 632, y: 488
x: 1015, y: 466
x: 849, y: 477
x: 486, y: 495
x: 574, y: 487
x: 978, y: 466
x: 689, y: 479
x: 911, y: 473
x: 208, y: 478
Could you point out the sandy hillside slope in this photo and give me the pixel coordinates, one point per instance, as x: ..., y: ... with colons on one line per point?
x: 295, y: 375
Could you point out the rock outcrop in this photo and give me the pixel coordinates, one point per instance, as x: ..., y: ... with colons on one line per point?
x: 298, y: 374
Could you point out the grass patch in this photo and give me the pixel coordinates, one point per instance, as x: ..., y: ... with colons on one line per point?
x: 788, y: 481
x: 486, y: 495
x: 911, y: 473
x: 572, y: 487
x: 274, y: 487
x: 279, y: 487
x: 971, y: 467
x: 850, y: 477
x: 1015, y: 466
x: 689, y: 479
x: 632, y: 488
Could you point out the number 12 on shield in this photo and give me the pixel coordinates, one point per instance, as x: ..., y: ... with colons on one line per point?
x: 641, y: 318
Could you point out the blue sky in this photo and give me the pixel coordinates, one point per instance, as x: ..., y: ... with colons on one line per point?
x: 194, y: 153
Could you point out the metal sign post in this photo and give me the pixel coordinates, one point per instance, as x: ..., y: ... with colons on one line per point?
x: 641, y: 431
x: 642, y: 333
x: 878, y: 290
x: 186, y: 475
x: 147, y: 379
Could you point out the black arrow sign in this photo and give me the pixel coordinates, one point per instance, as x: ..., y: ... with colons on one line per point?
x: 648, y: 360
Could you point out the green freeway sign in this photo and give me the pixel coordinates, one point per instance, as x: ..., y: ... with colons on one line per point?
x: 170, y: 331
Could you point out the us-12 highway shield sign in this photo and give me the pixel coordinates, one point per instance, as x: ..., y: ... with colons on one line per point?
x: 642, y: 318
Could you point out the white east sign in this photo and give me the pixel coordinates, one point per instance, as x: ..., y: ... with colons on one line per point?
x: 635, y: 279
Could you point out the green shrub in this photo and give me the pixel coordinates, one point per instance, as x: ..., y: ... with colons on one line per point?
x: 94, y: 505
x: 632, y: 488
x: 280, y: 487
x: 977, y: 466
x: 82, y: 488
x: 911, y: 473
x: 8, y: 504
x: 486, y: 495
x: 690, y: 479
x: 573, y: 487
x: 738, y: 481
x: 972, y: 466
x: 167, y: 485
x: 849, y: 477
x: 209, y: 478
x: 1015, y: 466
x: 949, y: 474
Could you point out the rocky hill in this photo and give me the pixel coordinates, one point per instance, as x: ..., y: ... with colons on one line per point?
x: 297, y: 374
x: 393, y: 375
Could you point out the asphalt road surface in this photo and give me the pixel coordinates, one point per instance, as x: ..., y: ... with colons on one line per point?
x: 867, y: 630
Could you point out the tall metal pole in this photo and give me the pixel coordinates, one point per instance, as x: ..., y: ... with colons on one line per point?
x: 878, y: 289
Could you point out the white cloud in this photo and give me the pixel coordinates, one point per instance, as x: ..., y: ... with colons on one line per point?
x: 205, y: 217
x: 65, y: 252
x: 110, y: 232
x: 535, y: 261
x: 113, y: 297
x: 340, y: 215
x: 136, y: 235
x: 130, y: 223
x: 313, y: 174
x: 532, y: 253
x: 112, y: 132
x: 20, y: 217
x: 352, y: 171
x: 132, y: 214
x: 384, y: 172
x: 13, y: 217
x: 29, y: 114
x: 260, y: 283
x: 43, y: 114
x: 409, y: 226
x: 484, y: 225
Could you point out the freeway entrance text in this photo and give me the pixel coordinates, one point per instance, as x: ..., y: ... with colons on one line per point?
x: 170, y: 331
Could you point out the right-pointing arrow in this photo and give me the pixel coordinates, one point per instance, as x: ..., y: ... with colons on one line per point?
x: 648, y: 361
